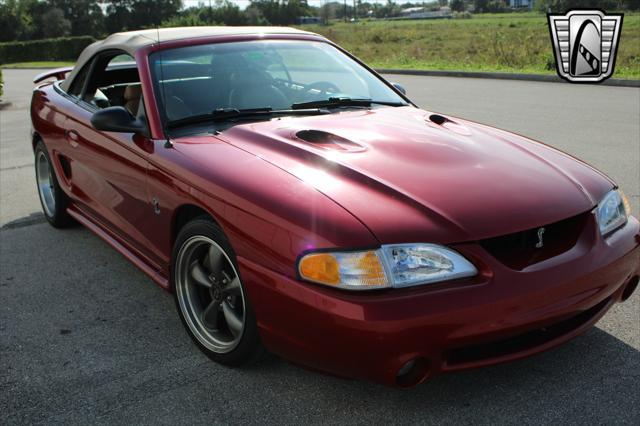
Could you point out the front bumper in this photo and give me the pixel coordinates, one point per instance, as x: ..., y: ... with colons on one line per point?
x: 500, y: 315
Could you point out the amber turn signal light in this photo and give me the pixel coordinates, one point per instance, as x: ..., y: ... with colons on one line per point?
x: 355, y: 270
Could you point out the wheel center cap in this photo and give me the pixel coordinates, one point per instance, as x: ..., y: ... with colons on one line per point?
x: 216, y: 293
x: 216, y: 289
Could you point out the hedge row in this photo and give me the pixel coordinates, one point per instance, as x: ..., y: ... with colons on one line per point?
x: 55, y: 49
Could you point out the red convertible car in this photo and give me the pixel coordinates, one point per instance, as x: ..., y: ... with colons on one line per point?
x: 296, y: 202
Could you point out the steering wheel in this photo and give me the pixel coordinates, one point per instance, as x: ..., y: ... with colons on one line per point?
x: 323, y: 86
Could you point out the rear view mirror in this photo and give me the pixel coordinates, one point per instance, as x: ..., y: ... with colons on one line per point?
x: 117, y: 119
x: 400, y: 88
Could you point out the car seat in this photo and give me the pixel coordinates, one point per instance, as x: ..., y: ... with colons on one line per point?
x: 132, y: 95
x: 253, y: 88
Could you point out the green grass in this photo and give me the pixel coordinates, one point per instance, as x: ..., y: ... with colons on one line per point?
x: 40, y: 64
x: 512, y: 42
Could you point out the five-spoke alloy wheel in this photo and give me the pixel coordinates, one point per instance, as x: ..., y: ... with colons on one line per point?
x: 54, y: 201
x: 209, y: 292
x: 45, y: 183
x: 210, y: 296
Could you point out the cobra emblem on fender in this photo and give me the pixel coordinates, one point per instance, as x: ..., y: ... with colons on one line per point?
x: 540, y: 242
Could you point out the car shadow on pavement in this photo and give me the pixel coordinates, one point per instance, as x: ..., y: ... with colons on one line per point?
x: 82, y: 331
x: 29, y: 220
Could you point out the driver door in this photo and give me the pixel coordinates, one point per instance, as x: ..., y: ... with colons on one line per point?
x: 109, y: 169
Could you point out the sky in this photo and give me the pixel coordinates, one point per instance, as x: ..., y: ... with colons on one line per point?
x: 245, y: 3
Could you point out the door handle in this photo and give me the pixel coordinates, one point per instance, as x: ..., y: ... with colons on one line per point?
x: 72, y: 138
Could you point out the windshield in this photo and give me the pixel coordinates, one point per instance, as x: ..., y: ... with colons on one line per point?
x: 276, y: 74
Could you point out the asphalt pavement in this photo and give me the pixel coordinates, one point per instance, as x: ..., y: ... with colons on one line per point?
x: 85, y: 337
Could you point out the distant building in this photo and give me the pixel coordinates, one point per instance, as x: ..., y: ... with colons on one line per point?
x: 410, y: 10
x: 520, y: 4
x: 303, y: 20
x: 422, y: 13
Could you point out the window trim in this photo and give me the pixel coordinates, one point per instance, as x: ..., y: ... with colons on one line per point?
x: 92, y: 63
x: 105, y: 55
x: 86, y: 67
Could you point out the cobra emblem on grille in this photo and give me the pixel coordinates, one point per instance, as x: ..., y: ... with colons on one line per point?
x: 540, y: 242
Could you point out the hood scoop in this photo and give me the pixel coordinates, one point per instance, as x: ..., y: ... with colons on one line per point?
x: 447, y: 123
x: 438, y: 119
x: 328, y: 141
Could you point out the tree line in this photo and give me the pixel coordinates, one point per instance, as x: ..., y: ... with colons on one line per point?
x: 37, y: 19
x: 40, y: 19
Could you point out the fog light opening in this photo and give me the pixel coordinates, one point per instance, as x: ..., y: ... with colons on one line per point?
x: 630, y: 288
x: 413, y: 372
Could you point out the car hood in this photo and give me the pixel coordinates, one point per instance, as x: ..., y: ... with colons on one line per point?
x: 411, y: 175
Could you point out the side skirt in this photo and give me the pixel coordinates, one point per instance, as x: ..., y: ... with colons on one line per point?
x: 120, y: 247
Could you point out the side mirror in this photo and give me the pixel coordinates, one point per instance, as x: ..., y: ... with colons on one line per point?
x: 400, y: 88
x: 117, y: 119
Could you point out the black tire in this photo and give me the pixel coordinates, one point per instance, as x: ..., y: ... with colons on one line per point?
x: 55, y: 209
x: 248, y: 348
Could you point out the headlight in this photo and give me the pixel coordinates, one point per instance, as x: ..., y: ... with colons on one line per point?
x: 398, y: 265
x: 612, y: 212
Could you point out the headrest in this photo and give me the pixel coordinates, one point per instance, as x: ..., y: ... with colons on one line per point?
x: 251, y: 77
x: 133, y: 91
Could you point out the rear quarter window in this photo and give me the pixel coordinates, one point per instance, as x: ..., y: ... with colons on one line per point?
x: 78, y: 82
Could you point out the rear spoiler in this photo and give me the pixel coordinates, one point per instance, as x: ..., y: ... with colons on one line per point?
x: 58, y: 73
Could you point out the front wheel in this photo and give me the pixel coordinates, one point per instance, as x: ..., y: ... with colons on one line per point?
x: 53, y: 200
x: 210, y: 297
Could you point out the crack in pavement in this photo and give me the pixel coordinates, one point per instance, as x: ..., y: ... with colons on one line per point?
x: 23, y: 166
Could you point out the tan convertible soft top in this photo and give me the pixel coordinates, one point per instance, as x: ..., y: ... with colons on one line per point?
x: 131, y: 41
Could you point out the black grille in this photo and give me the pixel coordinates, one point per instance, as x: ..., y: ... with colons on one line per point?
x: 522, y: 249
x: 523, y: 342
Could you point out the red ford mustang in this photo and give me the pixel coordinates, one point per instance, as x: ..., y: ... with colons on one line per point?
x: 294, y: 201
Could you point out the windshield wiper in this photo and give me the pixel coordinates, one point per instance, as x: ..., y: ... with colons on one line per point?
x: 343, y: 101
x: 224, y: 114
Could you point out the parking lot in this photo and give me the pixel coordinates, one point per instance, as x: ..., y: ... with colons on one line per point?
x: 85, y: 337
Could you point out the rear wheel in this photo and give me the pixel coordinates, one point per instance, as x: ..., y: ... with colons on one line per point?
x: 53, y: 200
x: 210, y: 296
